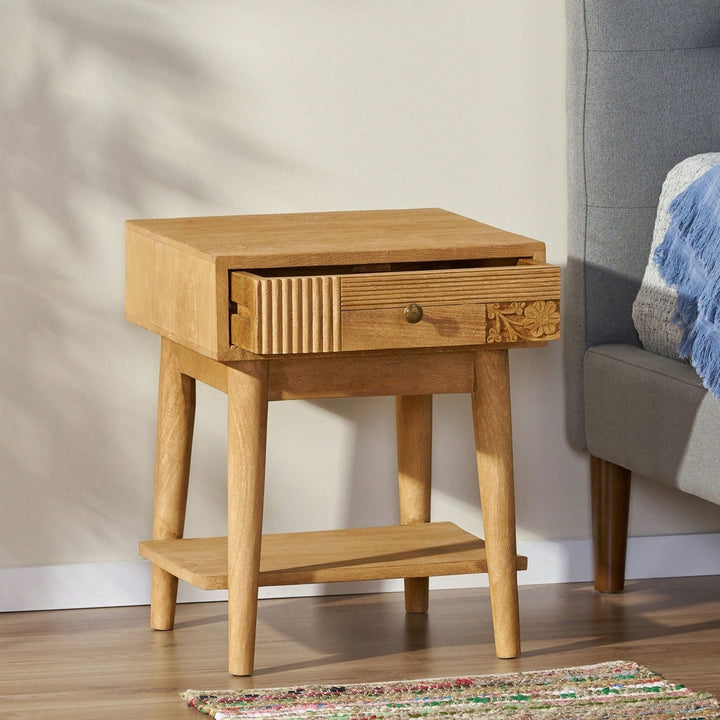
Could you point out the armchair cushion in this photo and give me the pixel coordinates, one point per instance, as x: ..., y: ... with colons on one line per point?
x: 653, y: 416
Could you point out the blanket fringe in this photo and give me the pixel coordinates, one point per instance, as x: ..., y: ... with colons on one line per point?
x: 689, y: 260
x: 700, y: 348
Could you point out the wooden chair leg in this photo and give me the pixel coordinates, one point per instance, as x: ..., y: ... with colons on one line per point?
x: 493, y: 447
x: 247, y: 431
x: 610, y: 487
x: 413, y: 414
x: 175, y: 420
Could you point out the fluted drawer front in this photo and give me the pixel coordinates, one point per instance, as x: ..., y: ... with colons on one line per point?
x: 284, y: 315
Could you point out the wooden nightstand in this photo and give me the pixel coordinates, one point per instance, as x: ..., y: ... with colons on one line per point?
x: 277, y: 307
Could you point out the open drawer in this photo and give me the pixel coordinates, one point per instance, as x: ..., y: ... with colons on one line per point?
x: 316, y: 310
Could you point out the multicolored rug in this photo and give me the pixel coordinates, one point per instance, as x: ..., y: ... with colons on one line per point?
x: 610, y: 691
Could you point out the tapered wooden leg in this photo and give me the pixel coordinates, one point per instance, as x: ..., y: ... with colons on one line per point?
x: 610, y: 487
x: 413, y: 414
x: 493, y: 446
x: 176, y: 416
x: 247, y: 430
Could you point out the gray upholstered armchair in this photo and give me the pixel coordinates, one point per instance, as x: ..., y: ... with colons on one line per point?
x: 643, y: 93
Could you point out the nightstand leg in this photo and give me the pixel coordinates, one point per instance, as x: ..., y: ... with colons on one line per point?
x: 247, y: 430
x: 493, y: 446
x: 176, y: 416
x: 413, y: 414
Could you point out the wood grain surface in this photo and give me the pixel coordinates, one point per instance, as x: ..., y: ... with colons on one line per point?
x: 107, y: 663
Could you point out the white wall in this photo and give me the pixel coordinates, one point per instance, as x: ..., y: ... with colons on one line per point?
x: 128, y: 108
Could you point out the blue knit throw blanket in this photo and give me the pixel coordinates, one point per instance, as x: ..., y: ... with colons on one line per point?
x: 689, y: 260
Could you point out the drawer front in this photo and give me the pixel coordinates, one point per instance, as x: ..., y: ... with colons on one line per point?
x: 441, y: 325
x: 387, y: 310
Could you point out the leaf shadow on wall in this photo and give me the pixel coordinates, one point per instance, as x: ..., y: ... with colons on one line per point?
x: 102, y: 107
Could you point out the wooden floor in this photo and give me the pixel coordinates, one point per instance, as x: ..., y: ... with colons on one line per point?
x: 107, y: 663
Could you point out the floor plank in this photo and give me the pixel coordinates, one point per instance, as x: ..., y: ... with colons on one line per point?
x: 107, y: 662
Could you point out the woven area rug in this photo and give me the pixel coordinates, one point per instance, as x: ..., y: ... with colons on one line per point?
x: 612, y: 690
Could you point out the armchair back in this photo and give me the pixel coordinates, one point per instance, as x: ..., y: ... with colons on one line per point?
x: 643, y: 93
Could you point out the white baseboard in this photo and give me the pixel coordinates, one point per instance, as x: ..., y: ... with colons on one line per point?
x: 115, y: 584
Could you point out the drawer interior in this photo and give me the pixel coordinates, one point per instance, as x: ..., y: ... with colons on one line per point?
x: 388, y: 267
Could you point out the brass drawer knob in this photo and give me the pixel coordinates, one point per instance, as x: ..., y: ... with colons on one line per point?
x: 413, y: 313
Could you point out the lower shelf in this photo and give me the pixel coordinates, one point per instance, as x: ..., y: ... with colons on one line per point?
x: 379, y: 553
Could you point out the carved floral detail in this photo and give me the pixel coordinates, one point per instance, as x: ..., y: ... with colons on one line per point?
x: 522, y: 321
